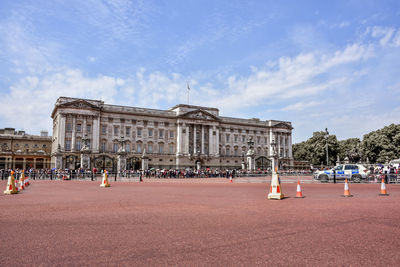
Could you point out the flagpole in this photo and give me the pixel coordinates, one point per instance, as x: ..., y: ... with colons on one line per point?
x: 188, y: 92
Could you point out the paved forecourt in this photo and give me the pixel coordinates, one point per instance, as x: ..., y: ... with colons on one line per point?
x: 197, y: 223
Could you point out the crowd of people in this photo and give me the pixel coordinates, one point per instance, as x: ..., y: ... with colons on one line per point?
x: 150, y: 173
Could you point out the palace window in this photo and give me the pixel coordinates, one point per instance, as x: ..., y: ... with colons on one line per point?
x: 243, y: 138
x: 103, y: 129
x: 116, y: 130
x: 103, y: 147
x: 171, y: 148
x: 150, y: 132
x: 78, y: 145
x: 69, y: 127
x: 89, y: 128
x: 171, y: 134
x: 227, y: 137
x: 161, y: 148
x: 128, y: 147
x: 139, y: 132
x: 79, y: 127
x: 67, y: 145
x: 236, y: 138
x: 150, y: 147
x: 139, y: 148
x: 228, y: 151
x: 161, y: 133
x: 128, y: 131
x: 115, y: 147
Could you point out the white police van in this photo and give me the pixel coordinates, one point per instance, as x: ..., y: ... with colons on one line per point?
x: 352, y: 172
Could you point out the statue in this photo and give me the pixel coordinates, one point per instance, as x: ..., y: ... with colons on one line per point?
x: 85, y: 151
x: 85, y: 148
x: 121, y: 165
x: 250, y: 156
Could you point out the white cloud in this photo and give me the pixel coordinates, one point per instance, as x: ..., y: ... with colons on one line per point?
x: 29, y: 102
x: 299, y: 106
x: 291, y: 77
x: 385, y: 34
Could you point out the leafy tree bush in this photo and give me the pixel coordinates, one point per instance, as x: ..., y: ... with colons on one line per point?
x: 379, y: 146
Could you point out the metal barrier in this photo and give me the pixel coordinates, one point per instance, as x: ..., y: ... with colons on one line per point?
x: 392, y: 178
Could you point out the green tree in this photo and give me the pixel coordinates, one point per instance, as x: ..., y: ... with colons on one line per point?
x: 350, y: 148
x: 314, y: 149
x: 382, y: 145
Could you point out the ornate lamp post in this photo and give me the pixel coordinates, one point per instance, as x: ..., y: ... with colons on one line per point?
x: 275, y: 191
x: 326, y: 138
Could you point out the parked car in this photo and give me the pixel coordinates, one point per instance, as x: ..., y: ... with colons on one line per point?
x: 353, y: 172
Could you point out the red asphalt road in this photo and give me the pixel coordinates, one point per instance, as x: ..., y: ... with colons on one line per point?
x: 198, y: 224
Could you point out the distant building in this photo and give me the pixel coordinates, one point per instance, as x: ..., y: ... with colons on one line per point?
x: 184, y: 136
x: 19, y: 150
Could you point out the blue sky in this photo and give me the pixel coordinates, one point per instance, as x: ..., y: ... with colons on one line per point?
x: 318, y: 64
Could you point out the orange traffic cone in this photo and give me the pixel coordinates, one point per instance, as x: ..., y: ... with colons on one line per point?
x: 383, y: 189
x: 11, y: 185
x: 105, y: 183
x: 26, y: 179
x: 22, y: 181
x: 299, y: 194
x: 346, y: 190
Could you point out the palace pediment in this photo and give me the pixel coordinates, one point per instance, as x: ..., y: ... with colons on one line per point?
x: 81, y: 104
x: 283, y: 125
x: 199, y: 115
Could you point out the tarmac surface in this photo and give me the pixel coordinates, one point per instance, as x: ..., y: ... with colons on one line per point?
x: 201, y: 222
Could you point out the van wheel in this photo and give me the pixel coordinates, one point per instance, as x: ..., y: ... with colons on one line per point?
x: 323, y: 178
x: 356, y: 178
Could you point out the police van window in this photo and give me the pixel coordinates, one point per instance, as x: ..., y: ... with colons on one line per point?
x: 339, y: 167
x: 348, y: 167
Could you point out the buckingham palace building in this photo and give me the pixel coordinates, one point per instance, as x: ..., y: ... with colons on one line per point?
x: 184, y: 136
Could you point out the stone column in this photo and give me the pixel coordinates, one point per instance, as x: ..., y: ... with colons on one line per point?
x: 186, y: 150
x: 278, y: 142
x: 202, y: 139
x: 217, y: 142
x: 210, y: 141
x: 73, y: 133
x: 179, y: 139
x: 290, y: 145
x: 194, y: 140
x: 96, y: 134
x: 61, y: 131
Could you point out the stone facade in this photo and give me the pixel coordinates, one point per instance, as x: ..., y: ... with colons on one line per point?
x: 185, y: 136
x: 19, y: 150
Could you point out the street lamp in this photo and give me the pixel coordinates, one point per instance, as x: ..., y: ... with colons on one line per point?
x: 326, y: 137
x: 273, y: 154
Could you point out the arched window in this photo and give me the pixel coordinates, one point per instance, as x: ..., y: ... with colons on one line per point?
x: 228, y: 150
x: 161, y: 148
x: 150, y: 147
x: 139, y: 147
